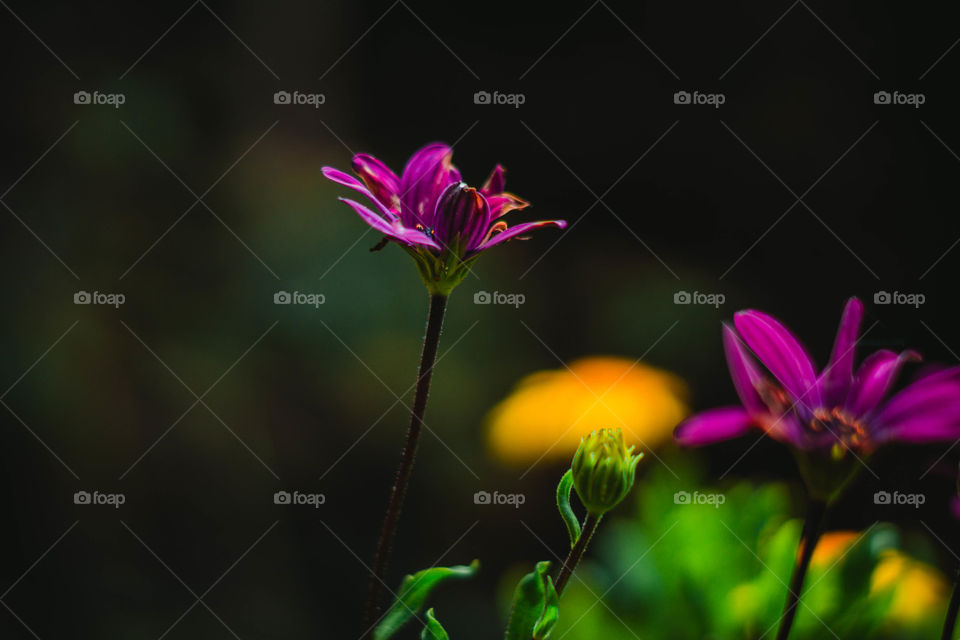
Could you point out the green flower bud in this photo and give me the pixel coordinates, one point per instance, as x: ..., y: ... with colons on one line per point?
x: 603, y: 470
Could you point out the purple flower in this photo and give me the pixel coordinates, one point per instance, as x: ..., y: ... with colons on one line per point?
x: 431, y: 213
x: 834, y: 411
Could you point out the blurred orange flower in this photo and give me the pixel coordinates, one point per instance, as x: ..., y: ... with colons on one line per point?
x: 832, y: 546
x: 549, y: 411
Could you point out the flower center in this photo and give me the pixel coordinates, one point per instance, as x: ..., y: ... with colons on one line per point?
x: 842, y: 425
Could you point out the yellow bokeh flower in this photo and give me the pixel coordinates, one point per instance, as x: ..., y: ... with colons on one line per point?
x: 549, y: 411
x: 917, y: 590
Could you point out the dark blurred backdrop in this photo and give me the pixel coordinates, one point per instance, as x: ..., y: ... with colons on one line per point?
x: 199, y: 197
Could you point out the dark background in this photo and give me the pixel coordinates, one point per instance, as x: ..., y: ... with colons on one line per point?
x: 693, y: 198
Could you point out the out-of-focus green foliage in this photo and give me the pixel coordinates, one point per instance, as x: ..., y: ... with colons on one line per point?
x: 714, y: 563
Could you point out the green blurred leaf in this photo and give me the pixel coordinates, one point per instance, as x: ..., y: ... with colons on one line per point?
x: 563, y: 505
x: 535, y: 606
x: 413, y: 594
x: 433, y: 629
x: 551, y: 613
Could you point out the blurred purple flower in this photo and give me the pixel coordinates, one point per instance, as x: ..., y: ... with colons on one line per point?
x: 429, y: 207
x: 835, y: 411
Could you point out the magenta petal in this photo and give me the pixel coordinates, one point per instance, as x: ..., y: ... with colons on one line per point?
x: 875, y: 378
x: 926, y: 410
x: 382, y: 182
x: 787, y: 428
x: 513, y: 232
x: 837, y: 377
x: 394, y: 230
x: 713, y: 426
x: 413, y: 236
x: 428, y: 172
x: 496, y: 182
x: 744, y: 371
x: 370, y: 217
x: 782, y: 354
x: 503, y: 203
x: 348, y: 180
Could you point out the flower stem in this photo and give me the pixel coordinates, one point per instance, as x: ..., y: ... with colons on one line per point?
x: 951, y: 620
x: 812, y: 526
x: 576, y: 553
x: 428, y: 356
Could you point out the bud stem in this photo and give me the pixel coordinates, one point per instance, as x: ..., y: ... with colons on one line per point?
x: 951, y: 620
x: 438, y: 304
x: 812, y: 527
x: 576, y: 553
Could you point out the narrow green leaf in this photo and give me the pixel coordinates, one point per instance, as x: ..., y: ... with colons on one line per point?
x: 563, y: 505
x: 535, y: 606
x: 433, y: 629
x: 413, y: 593
x: 551, y: 613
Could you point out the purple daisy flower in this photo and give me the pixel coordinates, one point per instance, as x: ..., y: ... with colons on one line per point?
x: 834, y: 411
x: 431, y: 213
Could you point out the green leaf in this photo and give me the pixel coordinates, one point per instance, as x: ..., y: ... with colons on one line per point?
x: 535, y: 606
x: 563, y: 505
x: 433, y: 629
x: 413, y: 593
x: 550, y: 614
